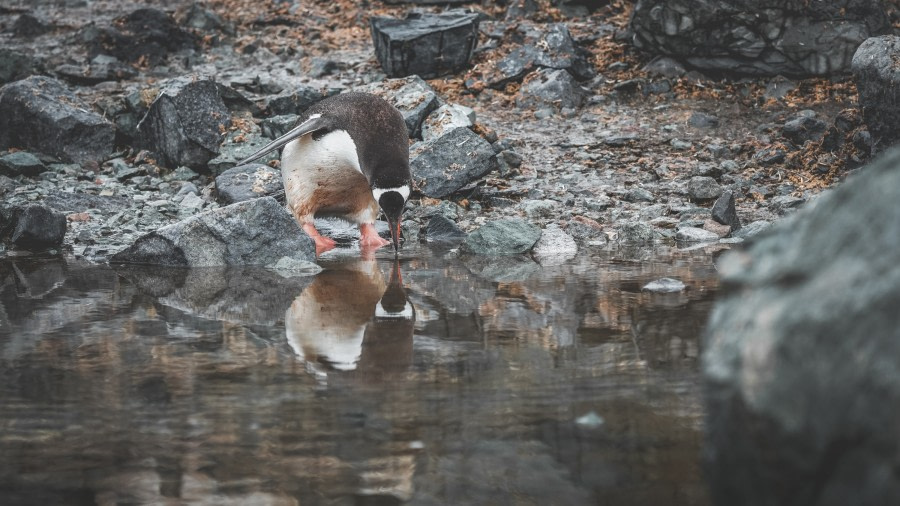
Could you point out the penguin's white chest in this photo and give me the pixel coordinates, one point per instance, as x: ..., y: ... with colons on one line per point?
x: 323, y: 177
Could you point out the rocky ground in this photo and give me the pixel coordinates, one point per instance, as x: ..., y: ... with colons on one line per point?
x: 616, y: 149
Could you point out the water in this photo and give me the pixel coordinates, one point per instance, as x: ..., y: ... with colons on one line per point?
x: 435, y: 381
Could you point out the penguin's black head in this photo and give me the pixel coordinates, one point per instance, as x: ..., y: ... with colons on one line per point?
x: 392, y: 201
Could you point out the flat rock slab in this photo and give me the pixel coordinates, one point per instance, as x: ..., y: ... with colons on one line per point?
x: 185, y: 122
x: 511, y: 236
x: 427, y: 45
x: 41, y: 114
x: 758, y: 37
x: 247, y: 182
x: 21, y: 163
x: 877, y: 77
x: 254, y: 232
x: 446, y: 164
x: 800, y: 354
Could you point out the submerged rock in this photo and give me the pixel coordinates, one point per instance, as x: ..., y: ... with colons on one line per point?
x: 424, y: 44
x: 446, y: 164
x: 254, y: 232
x: 800, y: 355
x: 510, y: 236
x: 555, y: 246
x: 42, y: 115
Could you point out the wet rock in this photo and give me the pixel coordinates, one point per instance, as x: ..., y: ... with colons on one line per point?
x: 804, y: 127
x: 636, y: 233
x: 664, y: 285
x: 549, y: 46
x: 247, y: 182
x: 15, y: 66
x: 510, y: 236
x: 502, y: 269
x: 41, y: 114
x: 586, y: 231
x: 295, y: 100
x: 724, y: 212
x: 800, y: 376
x: 253, y: 232
x: 695, y: 234
x: 184, y: 123
x: 144, y: 35
x: 33, y: 227
x: 756, y: 37
x: 550, y: 88
x: 703, y: 188
x: 555, y: 246
x: 877, y: 77
x: 446, y: 118
x: 21, y: 163
x: 424, y: 44
x: 442, y: 229
x: 412, y: 96
x: 446, y: 164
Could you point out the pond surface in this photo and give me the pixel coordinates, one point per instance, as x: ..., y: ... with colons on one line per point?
x: 433, y: 381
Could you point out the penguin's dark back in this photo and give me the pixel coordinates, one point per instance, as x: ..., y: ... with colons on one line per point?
x: 377, y: 129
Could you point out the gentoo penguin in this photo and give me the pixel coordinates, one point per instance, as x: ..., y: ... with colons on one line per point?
x: 347, y: 157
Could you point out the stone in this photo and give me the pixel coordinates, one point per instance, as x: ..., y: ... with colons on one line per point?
x: 236, y: 147
x: 800, y: 354
x: 185, y: 122
x: 247, y: 182
x: 41, y: 114
x: 448, y: 163
x: 442, y: 229
x: 695, y: 234
x: 196, y: 17
x: 752, y: 229
x: 586, y: 231
x: 542, y: 46
x: 638, y: 195
x: 424, y: 44
x: 716, y: 228
x: 550, y: 88
x: 412, y: 96
x: 535, y: 208
x: 665, y: 67
x: 295, y: 100
x: 102, y: 68
x: 785, y: 203
x: 757, y: 37
x: 253, y: 232
x: 555, y: 246
x: 778, y: 88
x: 34, y: 227
x: 703, y: 120
x: 724, y: 212
x: 144, y: 35
x: 804, y: 127
x: 877, y: 78
x: 664, y: 285
x: 276, y: 126
x: 771, y: 155
x: 446, y: 118
x: 636, y: 233
x: 21, y: 163
x: 29, y: 26
x: 703, y: 188
x: 15, y: 66
x: 509, y: 236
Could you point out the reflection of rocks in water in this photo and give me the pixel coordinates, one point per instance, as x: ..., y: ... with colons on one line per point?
x: 503, y: 268
x: 349, y: 319
x: 255, y: 296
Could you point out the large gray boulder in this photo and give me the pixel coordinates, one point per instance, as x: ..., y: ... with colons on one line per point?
x: 33, y: 227
x: 877, y: 77
x: 253, y: 232
x: 510, y: 236
x: 412, y: 96
x: 801, y: 354
x: 795, y: 37
x: 43, y: 115
x: 185, y: 123
x: 550, y: 88
x: 540, y: 46
x: 424, y: 44
x: 444, y: 165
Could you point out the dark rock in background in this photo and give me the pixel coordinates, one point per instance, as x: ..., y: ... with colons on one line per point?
x: 254, y: 232
x: 427, y: 45
x: 703, y: 188
x: 442, y: 229
x: 446, y: 164
x: 800, y: 354
x: 21, y: 163
x: 184, y: 125
x: 101, y: 68
x: 550, y: 88
x: 27, y: 25
x: 41, y: 114
x: 804, y: 127
x: 877, y: 75
x: 33, y: 227
x: 724, y: 212
x: 796, y: 37
x: 511, y: 236
x: 295, y: 101
x: 412, y: 96
x: 15, y: 66
x: 247, y: 182
x: 145, y: 36
x: 548, y: 46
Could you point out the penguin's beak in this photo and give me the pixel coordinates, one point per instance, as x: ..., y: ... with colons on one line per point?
x: 394, y: 224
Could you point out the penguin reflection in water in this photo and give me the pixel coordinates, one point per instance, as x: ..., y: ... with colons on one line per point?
x: 349, y: 319
x: 348, y: 157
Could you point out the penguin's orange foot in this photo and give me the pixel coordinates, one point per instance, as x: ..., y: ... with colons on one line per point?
x: 323, y: 243
x: 369, y: 238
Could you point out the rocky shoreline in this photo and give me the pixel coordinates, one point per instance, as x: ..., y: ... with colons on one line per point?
x: 559, y: 124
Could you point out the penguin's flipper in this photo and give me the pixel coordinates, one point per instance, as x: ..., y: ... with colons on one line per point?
x: 309, y: 126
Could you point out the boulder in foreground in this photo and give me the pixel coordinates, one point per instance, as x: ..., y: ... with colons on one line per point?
x: 801, y: 354
x: 253, y: 232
